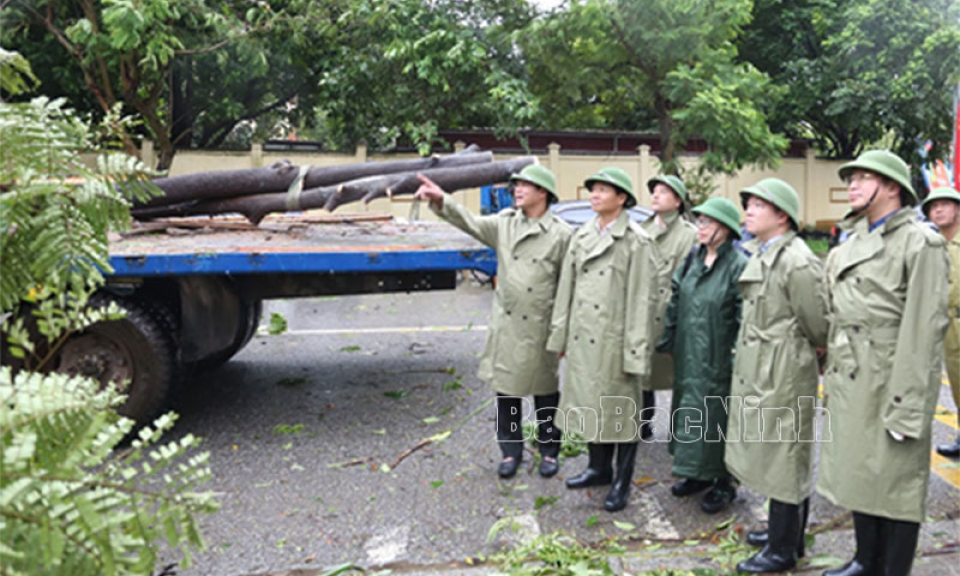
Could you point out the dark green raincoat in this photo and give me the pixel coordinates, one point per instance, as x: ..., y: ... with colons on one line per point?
x: 703, y: 319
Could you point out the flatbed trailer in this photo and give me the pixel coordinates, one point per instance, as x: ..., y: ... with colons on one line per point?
x: 192, y: 289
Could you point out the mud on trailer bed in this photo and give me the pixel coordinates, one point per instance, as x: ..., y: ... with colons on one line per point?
x: 192, y: 288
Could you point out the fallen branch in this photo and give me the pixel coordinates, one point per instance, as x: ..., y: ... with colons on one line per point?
x: 409, y: 451
x: 438, y: 438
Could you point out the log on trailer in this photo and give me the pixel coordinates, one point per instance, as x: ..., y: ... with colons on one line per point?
x: 255, y: 207
x: 280, y: 176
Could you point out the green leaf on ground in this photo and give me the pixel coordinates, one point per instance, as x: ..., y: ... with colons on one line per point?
x: 396, y: 394
x: 436, y: 484
x: 431, y: 420
x: 625, y: 526
x: 278, y: 324
x: 542, y: 501
x: 288, y: 429
x: 353, y: 348
x: 591, y: 521
x: 452, y: 385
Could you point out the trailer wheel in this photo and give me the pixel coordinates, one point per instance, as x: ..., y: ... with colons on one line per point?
x: 136, y: 352
x: 252, y: 311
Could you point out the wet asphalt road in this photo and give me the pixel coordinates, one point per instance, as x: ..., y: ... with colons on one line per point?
x: 304, y: 429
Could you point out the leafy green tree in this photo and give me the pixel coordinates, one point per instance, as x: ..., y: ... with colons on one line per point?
x: 860, y: 73
x: 419, y: 66
x: 123, y: 51
x: 71, y: 501
x: 603, y: 60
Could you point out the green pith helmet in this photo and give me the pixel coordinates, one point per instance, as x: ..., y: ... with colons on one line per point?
x: 941, y: 193
x: 776, y: 192
x: 674, y: 183
x: 540, y: 176
x: 884, y: 163
x: 616, y: 178
x: 723, y: 211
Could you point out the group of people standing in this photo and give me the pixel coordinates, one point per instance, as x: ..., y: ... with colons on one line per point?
x: 670, y: 304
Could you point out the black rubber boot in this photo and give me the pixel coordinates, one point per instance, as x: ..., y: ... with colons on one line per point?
x: 759, y: 538
x: 599, y: 470
x: 783, y: 542
x: 899, y: 544
x: 647, y: 413
x: 865, y: 562
x: 509, y: 434
x: 951, y: 450
x: 548, y: 435
x: 723, y: 493
x: 620, y: 491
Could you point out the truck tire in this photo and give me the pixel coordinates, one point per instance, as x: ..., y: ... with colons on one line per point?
x: 137, y: 352
x: 252, y: 312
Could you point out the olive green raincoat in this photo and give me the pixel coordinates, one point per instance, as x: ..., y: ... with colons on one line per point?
x: 701, y: 331
x: 674, y: 242
x: 529, y: 254
x: 887, y: 297
x: 770, y: 448
x: 952, y: 342
x: 603, y: 320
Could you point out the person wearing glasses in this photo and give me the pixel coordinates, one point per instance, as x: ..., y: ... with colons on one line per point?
x: 770, y: 448
x: 530, y: 242
x: 603, y: 323
x: 703, y: 318
x: 887, y: 304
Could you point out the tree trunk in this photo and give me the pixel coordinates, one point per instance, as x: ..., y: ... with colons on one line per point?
x: 666, y: 134
x: 256, y: 207
x: 277, y: 178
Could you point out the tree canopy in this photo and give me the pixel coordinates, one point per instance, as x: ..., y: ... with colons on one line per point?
x: 742, y: 75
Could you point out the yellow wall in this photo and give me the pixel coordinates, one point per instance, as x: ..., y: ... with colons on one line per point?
x: 823, y: 195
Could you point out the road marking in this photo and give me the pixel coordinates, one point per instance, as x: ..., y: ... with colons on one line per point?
x: 393, y: 330
x: 945, y: 468
x: 388, y: 546
x: 946, y: 416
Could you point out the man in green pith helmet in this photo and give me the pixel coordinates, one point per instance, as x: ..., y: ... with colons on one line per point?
x: 703, y: 318
x: 603, y: 324
x: 530, y: 242
x: 887, y: 298
x: 675, y: 237
x: 784, y: 321
x: 942, y: 207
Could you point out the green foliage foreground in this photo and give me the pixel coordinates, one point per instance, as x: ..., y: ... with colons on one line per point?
x: 71, y: 503
x: 75, y: 498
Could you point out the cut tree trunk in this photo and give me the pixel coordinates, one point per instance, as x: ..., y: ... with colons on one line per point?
x: 256, y: 207
x: 278, y: 177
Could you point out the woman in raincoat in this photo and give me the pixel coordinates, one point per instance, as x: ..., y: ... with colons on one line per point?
x: 603, y: 323
x: 700, y: 332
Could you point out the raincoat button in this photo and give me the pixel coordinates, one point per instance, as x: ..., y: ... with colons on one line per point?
x: 529, y: 289
x: 591, y: 340
x: 524, y: 317
x: 896, y: 399
x: 856, y: 329
x: 853, y: 375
